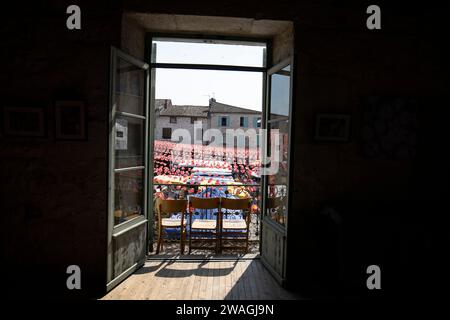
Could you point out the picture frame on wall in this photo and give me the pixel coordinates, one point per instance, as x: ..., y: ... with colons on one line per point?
x: 332, y: 127
x: 24, y: 122
x: 70, y: 120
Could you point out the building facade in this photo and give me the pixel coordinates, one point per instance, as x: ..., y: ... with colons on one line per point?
x: 198, y: 119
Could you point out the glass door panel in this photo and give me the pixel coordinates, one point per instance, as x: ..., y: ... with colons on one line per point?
x: 276, y: 184
x: 128, y: 171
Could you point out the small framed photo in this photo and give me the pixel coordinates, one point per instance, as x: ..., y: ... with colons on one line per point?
x: 26, y: 122
x: 332, y: 127
x: 70, y: 118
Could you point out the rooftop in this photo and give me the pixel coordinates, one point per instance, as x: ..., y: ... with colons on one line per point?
x: 166, y: 108
x: 184, y: 111
x: 217, y: 107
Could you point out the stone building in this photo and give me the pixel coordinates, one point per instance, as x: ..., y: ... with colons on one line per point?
x: 216, y: 115
x: 169, y: 117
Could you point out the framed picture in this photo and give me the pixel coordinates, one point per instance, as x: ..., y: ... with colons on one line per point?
x: 24, y: 122
x: 332, y: 127
x: 70, y: 117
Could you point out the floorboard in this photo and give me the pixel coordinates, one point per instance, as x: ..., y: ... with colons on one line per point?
x: 200, y: 280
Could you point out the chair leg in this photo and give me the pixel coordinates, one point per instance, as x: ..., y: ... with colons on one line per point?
x: 190, y: 241
x: 182, y: 237
x: 246, y: 243
x: 159, y: 239
x: 221, y: 246
x: 158, y: 244
x: 217, y: 244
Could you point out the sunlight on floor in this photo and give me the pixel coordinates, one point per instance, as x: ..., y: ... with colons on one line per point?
x: 200, y: 280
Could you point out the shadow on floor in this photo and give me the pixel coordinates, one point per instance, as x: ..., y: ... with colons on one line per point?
x: 202, y: 270
x: 256, y: 283
x: 233, y: 279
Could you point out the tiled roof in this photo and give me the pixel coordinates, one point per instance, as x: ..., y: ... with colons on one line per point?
x: 217, y: 107
x: 185, y: 111
x: 165, y: 108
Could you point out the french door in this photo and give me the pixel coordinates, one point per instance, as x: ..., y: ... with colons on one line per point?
x: 129, y: 169
x: 275, y: 184
x: 128, y: 166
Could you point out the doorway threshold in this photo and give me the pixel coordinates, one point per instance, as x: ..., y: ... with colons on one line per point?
x: 203, y: 257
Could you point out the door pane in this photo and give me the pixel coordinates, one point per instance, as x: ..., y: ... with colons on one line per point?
x: 129, y: 195
x: 212, y: 52
x: 129, y: 142
x: 237, y: 88
x: 282, y: 130
x: 280, y: 94
x: 279, y: 113
x: 277, y: 184
x: 130, y: 87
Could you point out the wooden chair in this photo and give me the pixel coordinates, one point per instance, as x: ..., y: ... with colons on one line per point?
x: 204, y: 230
x: 165, y: 209
x: 235, y: 230
x: 118, y: 216
x: 273, y: 203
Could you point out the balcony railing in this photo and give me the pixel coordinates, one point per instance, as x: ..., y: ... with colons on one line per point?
x: 184, y: 190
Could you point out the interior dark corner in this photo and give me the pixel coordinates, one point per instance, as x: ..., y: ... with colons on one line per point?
x: 363, y: 178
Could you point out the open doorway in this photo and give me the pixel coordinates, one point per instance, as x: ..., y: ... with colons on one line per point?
x: 208, y: 107
x: 191, y: 122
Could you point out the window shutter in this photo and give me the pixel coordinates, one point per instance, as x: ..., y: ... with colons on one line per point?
x: 219, y: 121
x: 245, y: 122
x: 228, y: 121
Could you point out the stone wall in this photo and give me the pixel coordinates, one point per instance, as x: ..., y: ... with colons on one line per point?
x: 212, y: 122
x: 235, y: 120
x: 54, y: 195
x: 378, y: 200
x: 182, y: 123
x: 283, y: 46
x: 132, y: 38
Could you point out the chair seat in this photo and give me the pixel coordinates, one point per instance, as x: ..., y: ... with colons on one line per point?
x: 167, y: 222
x: 204, y: 224
x: 234, y: 224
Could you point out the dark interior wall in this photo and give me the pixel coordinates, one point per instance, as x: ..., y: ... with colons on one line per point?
x: 388, y: 214
x: 384, y: 205
x: 387, y: 209
x: 54, y: 193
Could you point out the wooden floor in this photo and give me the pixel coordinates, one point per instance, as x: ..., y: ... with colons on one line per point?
x: 200, y: 280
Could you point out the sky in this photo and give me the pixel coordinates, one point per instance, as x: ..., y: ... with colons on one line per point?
x: 196, y: 87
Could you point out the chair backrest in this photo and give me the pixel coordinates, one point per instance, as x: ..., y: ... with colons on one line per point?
x: 118, y: 213
x: 167, y: 207
x: 204, y: 203
x: 235, y: 204
x: 273, y: 202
